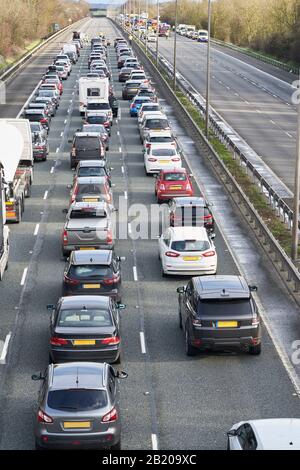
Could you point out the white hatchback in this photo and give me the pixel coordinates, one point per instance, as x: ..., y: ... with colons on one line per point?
x: 187, y: 251
x: 161, y: 157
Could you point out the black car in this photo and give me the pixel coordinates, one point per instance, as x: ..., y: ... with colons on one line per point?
x: 100, y: 129
x: 85, y: 328
x: 86, y: 146
x: 96, y: 272
x: 219, y: 312
x: 114, y: 104
x: 191, y: 211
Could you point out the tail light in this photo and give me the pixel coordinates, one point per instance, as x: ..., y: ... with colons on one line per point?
x: 162, y: 187
x: 148, y: 146
x: 111, y: 281
x: 106, y: 123
x: 188, y: 187
x: 55, y: 341
x: 255, y: 320
x: 44, y: 418
x: 71, y: 282
x: 171, y: 254
x: 65, y: 237
x: 38, y: 147
x: 109, y: 238
x: 196, y: 322
x: 73, y: 152
x: 44, y: 121
x: 209, y: 253
x: 208, y: 217
x: 152, y: 159
x: 113, y: 340
x: 177, y: 159
x: 110, y: 417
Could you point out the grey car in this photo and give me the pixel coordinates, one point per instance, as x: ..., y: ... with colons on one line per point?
x: 78, y: 407
x: 88, y: 226
x: 85, y: 328
x: 219, y: 312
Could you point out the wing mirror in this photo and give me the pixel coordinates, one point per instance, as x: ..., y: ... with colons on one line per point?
x: 39, y: 376
x: 181, y: 290
x: 50, y: 307
x: 253, y: 288
x: 232, y: 433
x: 65, y: 211
x: 121, y: 374
x: 121, y: 306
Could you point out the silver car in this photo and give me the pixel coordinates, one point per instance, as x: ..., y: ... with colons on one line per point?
x: 78, y: 407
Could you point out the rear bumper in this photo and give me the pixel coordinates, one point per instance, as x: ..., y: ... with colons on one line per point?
x: 170, y: 195
x: 66, y: 355
x: 78, y: 440
x: 233, y: 339
x: 102, y: 246
x: 114, y: 294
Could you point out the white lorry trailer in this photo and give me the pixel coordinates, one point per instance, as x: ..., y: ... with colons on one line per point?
x: 4, y: 233
x: 92, y: 87
x: 16, y: 165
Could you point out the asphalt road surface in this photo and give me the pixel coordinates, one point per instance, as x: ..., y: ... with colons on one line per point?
x: 253, y: 97
x: 169, y: 401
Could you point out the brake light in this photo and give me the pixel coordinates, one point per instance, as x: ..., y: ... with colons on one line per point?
x: 106, y: 123
x: 162, y: 187
x: 111, y: 281
x: 152, y: 159
x: 207, y: 217
x: 71, y: 282
x: 44, y: 121
x: 43, y: 417
x: 177, y: 159
x: 109, y: 238
x: 196, y: 322
x: 73, y: 152
x: 255, y: 320
x: 188, y: 187
x: 65, y: 237
x: 110, y: 417
x: 113, y: 340
x: 171, y: 254
x: 148, y: 146
x: 55, y: 341
x: 38, y: 147
x: 209, y: 253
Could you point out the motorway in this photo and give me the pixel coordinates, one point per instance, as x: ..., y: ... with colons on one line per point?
x: 169, y: 401
x: 253, y: 97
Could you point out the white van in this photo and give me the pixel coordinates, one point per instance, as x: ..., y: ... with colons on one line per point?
x: 92, y: 87
x: 202, y: 35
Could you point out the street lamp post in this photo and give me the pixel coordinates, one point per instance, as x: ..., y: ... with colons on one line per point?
x: 147, y: 27
x: 175, y: 47
x: 296, y: 194
x: 157, y: 33
x: 208, y: 73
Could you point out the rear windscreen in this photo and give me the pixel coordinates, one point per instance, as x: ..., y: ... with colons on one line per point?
x: 89, y: 271
x: 87, y: 213
x: 87, y: 143
x: 77, y: 399
x: 97, y: 106
x: 163, y: 152
x: 228, y: 307
x: 190, y: 245
x: 84, y: 318
x: 34, y: 117
x: 157, y: 123
x: 92, y: 171
x: 90, y: 189
x: 96, y: 120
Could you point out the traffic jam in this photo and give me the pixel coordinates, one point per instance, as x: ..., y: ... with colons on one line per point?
x: 78, y: 404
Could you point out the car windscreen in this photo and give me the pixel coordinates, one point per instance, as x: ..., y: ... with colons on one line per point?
x: 91, y: 271
x: 230, y: 307
x: 90, y: 189
x: 157, y: 123
x: 84, y: 318
x: 190, y: 245
x: 77, y: 399
x: 174, y: 177
x: 163, y: 152
x: 91, y: 171
x: 96, y: 120
x: 87, y: 213
x: 87, y: 143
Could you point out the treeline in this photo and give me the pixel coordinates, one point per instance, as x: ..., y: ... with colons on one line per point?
x: 24, y: 21
x: 271, y: 26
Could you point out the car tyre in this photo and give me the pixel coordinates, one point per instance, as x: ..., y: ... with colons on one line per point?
x: 189, y: 348
x: 255, y: 350
x: 37, y: 446
x: 117, y: 446
x: 179, y: 318
x: 118, y: 360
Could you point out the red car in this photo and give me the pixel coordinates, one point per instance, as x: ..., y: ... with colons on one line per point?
x: 54, y: 81
x: 173, y: 183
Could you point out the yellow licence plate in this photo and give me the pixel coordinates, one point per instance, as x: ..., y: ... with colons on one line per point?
x: 90, y: 199
x: 191, y: 258
x: 227, y: 324
x: 175, y: 187
x: 77, y: 424
x: 84, y: 342
x: 164, y: 161
x: 91, y: 286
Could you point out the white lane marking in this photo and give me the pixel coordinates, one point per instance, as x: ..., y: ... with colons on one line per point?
x: 5, y: 348
x: 287, y: 133
x: 57, y: 150
x: 29, y: 99
x: 143, y: 343
x: 118, y: 133
x: 247, y: 102
x: 154, y: 442
x: 135, y: 276
x: 129, y: 228
x: 62, y: 133
x: 122, y: 169
x: 45, y: 195
x: 52, y: 170
x: 24, y: 276
x: 258, y: 111
x: 120, y: 149
x: 65, y: 121
x: 125, y: 195
x: 36, y: 231
x: 272, y: 122
x: 69, y: 111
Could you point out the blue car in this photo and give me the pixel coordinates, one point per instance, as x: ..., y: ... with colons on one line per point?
x: 137, y: 103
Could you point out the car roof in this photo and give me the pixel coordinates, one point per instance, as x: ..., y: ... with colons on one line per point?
x: 91, y: 257
x: 88, y: 163
x: 155, y: 116
x: 86, y: 134
x: 91, y: 179
x: 74, y: 375
x: 221, y: 287
x: 163, y: 133
x: 174, y: 170
x: 277, y: 434
x: 99, y: 205
x: 188, y: 233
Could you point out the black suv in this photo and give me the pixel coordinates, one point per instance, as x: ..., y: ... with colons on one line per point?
x: 191, y: 212
x: 86, y: 146
x: 219, y: 312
